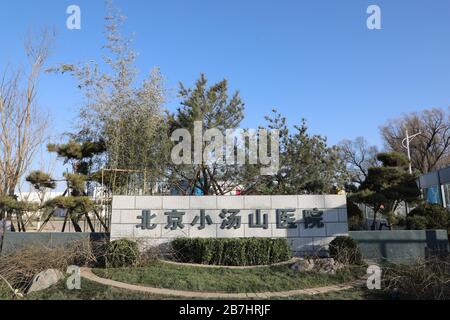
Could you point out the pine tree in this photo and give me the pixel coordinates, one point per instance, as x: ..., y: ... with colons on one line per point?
x: 75, y: 200
x: 214, y: 108
x: 387, y: 186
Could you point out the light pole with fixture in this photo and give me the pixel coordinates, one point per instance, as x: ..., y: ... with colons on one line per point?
x: 405, y: 143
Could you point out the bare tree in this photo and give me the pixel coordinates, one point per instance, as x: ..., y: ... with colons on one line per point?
x: 22, y: 123
x: 431, y: 149
x: 358, y: 156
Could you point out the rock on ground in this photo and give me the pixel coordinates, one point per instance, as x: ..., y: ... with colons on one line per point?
x: 327, y: 266
x: 45, y: 280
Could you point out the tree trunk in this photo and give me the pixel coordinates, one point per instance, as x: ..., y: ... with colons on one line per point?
x: 374, y: 223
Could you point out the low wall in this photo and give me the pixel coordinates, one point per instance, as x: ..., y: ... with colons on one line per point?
x: 13, y: 241
x: 308, y: 222
x: 401, y: 246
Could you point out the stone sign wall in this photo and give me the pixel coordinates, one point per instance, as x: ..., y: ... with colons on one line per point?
x: 308, y: 222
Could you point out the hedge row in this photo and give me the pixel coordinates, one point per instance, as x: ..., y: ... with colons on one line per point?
x: 231, y: 252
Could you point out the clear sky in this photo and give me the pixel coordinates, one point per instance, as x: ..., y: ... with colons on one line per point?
x: 308, y: 58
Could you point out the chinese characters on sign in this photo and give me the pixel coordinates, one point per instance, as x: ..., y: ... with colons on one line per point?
x: 307, y: 222
x: 204, y: 219
x: 146, y: 218
x: 231, y: 219
x: 313, y: 218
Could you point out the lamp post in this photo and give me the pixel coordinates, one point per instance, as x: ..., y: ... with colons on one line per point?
x: 406, y: 143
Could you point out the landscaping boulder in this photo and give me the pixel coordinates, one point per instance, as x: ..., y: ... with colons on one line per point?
x: 45, y: 280
x: 325, y: 266
x: 329, y: 266
x: 303, y: 265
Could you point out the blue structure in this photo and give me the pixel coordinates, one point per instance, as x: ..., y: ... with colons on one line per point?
x: 435, y: 187
x: 186, y: 188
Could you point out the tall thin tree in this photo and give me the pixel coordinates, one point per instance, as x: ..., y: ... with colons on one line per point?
x: 22, y: 122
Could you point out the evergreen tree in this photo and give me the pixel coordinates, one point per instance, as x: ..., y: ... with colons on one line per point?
x: 213, y: 108
x: 307, y: 164
x: 387, y: 186
x: 75, y: 200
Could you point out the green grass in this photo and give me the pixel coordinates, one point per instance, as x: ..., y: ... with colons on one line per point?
x: 351, y: 294
x: 160, y: 274
x: 93, y: 291
x: 89, y: 291
x: 188, y: 278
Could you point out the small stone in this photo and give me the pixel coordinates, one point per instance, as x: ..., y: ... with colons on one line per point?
x: 303, y: 265
x: 45, y: 280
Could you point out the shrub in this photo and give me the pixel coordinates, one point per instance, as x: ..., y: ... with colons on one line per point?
x: 122, y: 253
x: 416, y: 223
x: 425, y: 279
x: 231, y: 252
x: 18, y: 267
x: 152, y: 254
x: 428, y: 216
x: 345, y: 250
x: 355, y: 216
x: 401, y: 222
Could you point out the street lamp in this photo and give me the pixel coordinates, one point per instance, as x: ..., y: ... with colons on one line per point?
x: 405, y: 144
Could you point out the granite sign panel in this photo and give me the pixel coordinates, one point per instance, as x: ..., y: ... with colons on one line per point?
x: 308, y: 222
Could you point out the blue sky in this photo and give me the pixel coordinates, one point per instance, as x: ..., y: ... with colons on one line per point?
x: 314, y: 59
